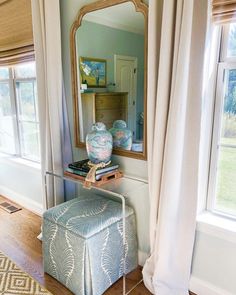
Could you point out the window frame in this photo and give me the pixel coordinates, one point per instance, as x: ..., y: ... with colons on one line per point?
x: 15, y: 109
x: 9, y: 81
x: 224, y: 63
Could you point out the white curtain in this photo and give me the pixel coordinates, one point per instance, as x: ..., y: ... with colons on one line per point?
x: 47, y: 43
x: 175, y: 61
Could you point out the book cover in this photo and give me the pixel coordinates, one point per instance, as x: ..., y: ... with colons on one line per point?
x: 84, y: 167
x: 75, y: 171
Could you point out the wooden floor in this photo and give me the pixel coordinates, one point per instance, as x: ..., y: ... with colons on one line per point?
x: 18, y: 240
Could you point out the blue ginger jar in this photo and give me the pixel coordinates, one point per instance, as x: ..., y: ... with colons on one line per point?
x: 122, y: 137
x: 99, y: 144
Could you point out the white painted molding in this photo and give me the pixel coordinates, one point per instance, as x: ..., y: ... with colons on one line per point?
x: 17, y: 161
x: 201, y: 287
x: 21, y: 200
x: 217, y: 226
x: 142, y: 257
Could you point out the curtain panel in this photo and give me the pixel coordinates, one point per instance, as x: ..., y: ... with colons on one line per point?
x: 47, y: 41
x: 223, y: 11
x: 174, y: 122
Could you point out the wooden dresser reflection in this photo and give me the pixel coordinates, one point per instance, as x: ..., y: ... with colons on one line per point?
x: 103, y: 107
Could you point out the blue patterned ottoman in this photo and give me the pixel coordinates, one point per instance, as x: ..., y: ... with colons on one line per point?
x: 82, y: 243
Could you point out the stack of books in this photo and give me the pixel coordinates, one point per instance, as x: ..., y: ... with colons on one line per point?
x: 86, y: 91
x: 82, y: 168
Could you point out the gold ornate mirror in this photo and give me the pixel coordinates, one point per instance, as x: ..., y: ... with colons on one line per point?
x: 109, y: 70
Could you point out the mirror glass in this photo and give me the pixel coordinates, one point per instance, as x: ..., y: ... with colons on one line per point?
x: 110, y: 64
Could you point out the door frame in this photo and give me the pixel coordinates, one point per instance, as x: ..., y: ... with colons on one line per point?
x: 135, y: 60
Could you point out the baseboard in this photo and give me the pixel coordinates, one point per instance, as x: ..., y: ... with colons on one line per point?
x: 142, y: 257
x: 201, y: 287
x: 22, y: 200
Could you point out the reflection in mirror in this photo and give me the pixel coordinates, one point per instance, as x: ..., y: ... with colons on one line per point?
x: 110, y: 65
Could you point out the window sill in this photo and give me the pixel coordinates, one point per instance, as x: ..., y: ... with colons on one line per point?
x: 217, y: 226
x: 5, y: 158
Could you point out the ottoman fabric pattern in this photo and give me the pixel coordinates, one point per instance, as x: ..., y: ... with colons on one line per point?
x: 83, y: 243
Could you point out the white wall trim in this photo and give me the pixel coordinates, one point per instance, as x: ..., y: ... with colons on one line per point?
x: 21, y: 200
x: 201, y: 287
x: 217, y: 226
x: 142, y: 257
x: 18, y: 161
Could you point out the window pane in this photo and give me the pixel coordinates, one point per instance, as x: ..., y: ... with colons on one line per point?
x: 26, y: 100
x: 231, y: 48
x: 226, y: 187
x: 4, y: 73
x: 26, y: 70
x: 226, y: 172
x: 29, y: 133
x: 7, y: 143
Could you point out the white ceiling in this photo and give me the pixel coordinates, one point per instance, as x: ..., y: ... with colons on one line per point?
x: 122, y: 16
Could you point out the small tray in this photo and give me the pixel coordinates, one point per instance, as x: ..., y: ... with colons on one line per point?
x: 113, y: 175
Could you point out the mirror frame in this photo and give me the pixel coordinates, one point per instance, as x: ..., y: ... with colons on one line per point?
x: 101, y: 4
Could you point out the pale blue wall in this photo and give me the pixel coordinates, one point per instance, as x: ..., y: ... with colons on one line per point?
x: 99, y: 41
x: 132, y: 167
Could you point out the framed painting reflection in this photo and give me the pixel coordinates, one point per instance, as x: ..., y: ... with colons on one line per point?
x: 93, y: 72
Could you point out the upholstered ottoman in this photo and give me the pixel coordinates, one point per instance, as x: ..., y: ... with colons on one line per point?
x: 82, y: 243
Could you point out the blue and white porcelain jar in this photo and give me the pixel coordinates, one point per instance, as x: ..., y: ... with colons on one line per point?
x: 99, y: 144
x: 122, y: 137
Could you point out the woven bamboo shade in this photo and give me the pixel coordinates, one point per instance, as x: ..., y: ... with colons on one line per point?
x: 16, y: 33
x: 223, y: 11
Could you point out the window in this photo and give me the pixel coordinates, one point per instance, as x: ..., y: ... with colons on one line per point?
x: 222, y: 185
x: 19, y: 123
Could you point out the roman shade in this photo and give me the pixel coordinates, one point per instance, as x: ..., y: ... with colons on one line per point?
x: 223, y: 11
x: 16, y: 34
